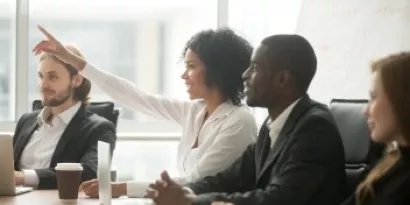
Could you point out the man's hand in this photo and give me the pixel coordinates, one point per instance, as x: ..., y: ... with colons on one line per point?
x: 168, y: 192
x: 19, y: 177
x: 90, y: 188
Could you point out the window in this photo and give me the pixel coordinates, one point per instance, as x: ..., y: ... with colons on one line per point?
x: 263, y: 18
x: 138, y: 40
x: 144, y: 160
x: 7, y: 13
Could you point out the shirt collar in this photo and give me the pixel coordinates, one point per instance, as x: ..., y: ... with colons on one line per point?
x: 277, y: 124
x: 224, y: 109
x: 65, y: 116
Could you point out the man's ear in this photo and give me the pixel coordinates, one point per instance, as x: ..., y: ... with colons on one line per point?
x: 283, y: 78
x: 77, y: 80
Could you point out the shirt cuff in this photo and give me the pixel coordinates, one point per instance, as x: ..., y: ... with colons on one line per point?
x: 189, y: 191
x: 30, y: 178
x: 181, y: 180
x: 95, y: 75
x: 136, y: 189
x: 86, y: 70
x: 89, y: 71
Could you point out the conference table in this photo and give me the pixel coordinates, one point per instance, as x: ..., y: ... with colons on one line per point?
x: 50, y: 197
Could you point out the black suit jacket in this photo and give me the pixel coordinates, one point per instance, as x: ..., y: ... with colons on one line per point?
x: 77, y: 144
x: 305, y: 166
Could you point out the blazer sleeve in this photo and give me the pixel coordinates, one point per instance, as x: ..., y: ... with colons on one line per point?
x: 234, y: 178
x: 233, y: 138
x: 104, y: 131
x: 303, y: 173
x: 127, y: 94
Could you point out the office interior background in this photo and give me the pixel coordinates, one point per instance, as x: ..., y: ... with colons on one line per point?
x: 142, y: 41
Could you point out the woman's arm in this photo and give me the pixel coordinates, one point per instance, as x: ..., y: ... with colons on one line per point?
x: 127, y: 94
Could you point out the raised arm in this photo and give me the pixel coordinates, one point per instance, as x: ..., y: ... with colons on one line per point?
x: 127, y: 94
x: 118, y: 88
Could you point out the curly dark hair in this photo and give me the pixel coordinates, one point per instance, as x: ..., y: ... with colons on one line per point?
x: 226, y: 56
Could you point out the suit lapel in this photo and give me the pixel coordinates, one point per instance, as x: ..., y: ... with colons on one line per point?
x: 72, y: 129
x: 274, y: 152
x: 301, y: 107
x: 22, y: 142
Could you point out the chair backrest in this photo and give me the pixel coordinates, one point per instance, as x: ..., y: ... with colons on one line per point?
x: 355, y: 135
x: 104, y: 109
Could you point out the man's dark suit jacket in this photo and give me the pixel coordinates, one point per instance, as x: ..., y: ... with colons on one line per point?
x: 77, y: 144
x: 305, y: 166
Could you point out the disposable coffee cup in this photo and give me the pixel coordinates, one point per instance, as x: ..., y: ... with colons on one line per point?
x: 68, y: 181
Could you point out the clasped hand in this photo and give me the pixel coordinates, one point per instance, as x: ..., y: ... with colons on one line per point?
x: 167, y: 191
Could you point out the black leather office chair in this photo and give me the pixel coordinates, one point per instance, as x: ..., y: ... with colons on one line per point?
x: 104, y: 109
x: 355, y: 134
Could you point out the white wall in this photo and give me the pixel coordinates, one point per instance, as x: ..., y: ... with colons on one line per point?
x: 347, y: 35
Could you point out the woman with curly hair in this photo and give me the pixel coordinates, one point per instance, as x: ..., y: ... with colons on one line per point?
x: 217, y: 126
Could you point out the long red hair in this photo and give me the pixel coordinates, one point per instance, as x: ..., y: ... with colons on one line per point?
x: 394, y: 72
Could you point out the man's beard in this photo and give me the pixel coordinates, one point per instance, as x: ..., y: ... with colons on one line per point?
x: 59, y: 99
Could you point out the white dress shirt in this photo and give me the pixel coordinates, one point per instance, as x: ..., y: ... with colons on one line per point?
x: 40, y: 148
x: 275, y: 126
x: 222, y: 138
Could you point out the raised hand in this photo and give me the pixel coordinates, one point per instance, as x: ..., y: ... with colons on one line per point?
x: 53, y: 47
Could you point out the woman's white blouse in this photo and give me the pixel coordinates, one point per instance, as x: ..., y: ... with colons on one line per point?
x: 221, y: 138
